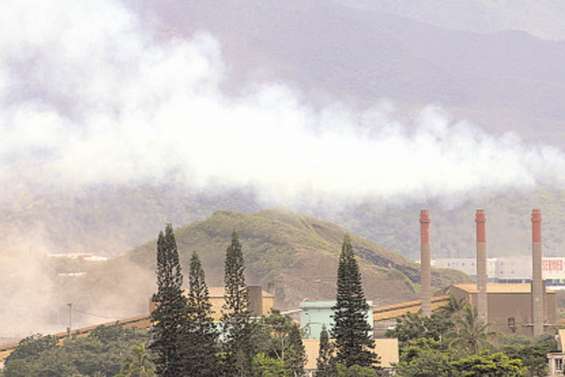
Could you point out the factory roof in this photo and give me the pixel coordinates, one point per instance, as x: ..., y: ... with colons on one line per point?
x: 317, y: 304
x: 393, y: 311
x: 498, y: 288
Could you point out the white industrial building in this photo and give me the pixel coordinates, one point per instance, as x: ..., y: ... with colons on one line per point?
x: 517, y: 269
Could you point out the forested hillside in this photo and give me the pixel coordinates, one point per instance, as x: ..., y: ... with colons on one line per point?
x: 291, y: 255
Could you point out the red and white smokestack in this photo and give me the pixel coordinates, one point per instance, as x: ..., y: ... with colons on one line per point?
x: 482, y: 275
x: 425, y: 263
x: 537, y: 277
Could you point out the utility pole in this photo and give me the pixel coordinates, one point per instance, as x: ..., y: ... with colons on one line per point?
x: 69, y: 328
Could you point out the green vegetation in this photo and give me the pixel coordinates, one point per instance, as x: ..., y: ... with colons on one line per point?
x: 469, y: 334
x: 170, y: 314
x: 355, y: 371
x: 285, y: 252
x: 117, y: 352
x: 296, y: 355
x: 352, y: 333
x: 454, y: 343
x: 280, y: 351
x: 237, y: 324
x: 107, y: 351
x: 269, y: 367
x: 324, y: 361
x: 488, y: 365
x: 200, y: 334
x: 139, y: 364
x: 532, y: 352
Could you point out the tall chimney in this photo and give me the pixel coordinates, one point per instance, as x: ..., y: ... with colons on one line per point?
x: 537, y: 278
x: 482, y: 276
x: 425, y: 263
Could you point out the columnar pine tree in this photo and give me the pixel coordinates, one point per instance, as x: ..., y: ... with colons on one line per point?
x: 169, y: 316
x: 352, y: 332
x: 296, y: 355
x: 200, y: 333
x: 236, y: 297
x: 239, y: 350
x: 324, y: 361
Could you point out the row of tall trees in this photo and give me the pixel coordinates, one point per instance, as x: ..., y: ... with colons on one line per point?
x: 185, y: 340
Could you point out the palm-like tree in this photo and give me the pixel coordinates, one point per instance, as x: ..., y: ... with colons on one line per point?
x: 470, y: 333
x: 453, y: 306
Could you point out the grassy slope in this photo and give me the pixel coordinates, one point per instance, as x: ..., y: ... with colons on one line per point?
x: 293, y: 256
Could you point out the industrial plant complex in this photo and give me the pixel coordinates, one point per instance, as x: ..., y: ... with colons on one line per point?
x: 513, y: 295
x: 524, y: 307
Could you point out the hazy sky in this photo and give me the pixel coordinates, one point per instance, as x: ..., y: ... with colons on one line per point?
x: 542, y: 18
x: 84, y: 100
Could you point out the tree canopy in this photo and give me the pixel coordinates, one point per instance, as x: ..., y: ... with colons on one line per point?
x: 103, y: 353
x: 352, y: 332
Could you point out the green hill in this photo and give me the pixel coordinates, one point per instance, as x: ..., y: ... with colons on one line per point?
x: 293, y: 256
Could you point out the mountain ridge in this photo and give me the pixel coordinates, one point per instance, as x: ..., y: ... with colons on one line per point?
x: 286, y: 252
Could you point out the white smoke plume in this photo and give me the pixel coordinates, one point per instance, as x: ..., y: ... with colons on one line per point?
x: 88, y: 94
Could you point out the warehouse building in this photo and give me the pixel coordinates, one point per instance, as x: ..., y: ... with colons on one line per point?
x: 509, y: 306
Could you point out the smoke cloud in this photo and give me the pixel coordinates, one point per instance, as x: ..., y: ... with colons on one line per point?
x: 36, y: 288
x: 88, y: 95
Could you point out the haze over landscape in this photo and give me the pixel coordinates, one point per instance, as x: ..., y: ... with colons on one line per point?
x: 119, y: 117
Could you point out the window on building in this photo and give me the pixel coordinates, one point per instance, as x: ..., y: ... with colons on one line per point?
x: 559, y: 365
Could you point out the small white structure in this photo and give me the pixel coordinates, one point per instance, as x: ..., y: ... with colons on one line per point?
x: 556, y: 360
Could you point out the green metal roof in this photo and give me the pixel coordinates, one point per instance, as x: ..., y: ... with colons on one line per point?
x: 321, y: 304
x: 317, y: 304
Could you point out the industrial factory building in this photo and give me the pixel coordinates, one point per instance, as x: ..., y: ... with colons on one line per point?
x: 315, y: 314
x: 508, y: 306
x: 261, y: 302
x: 526, y: 308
